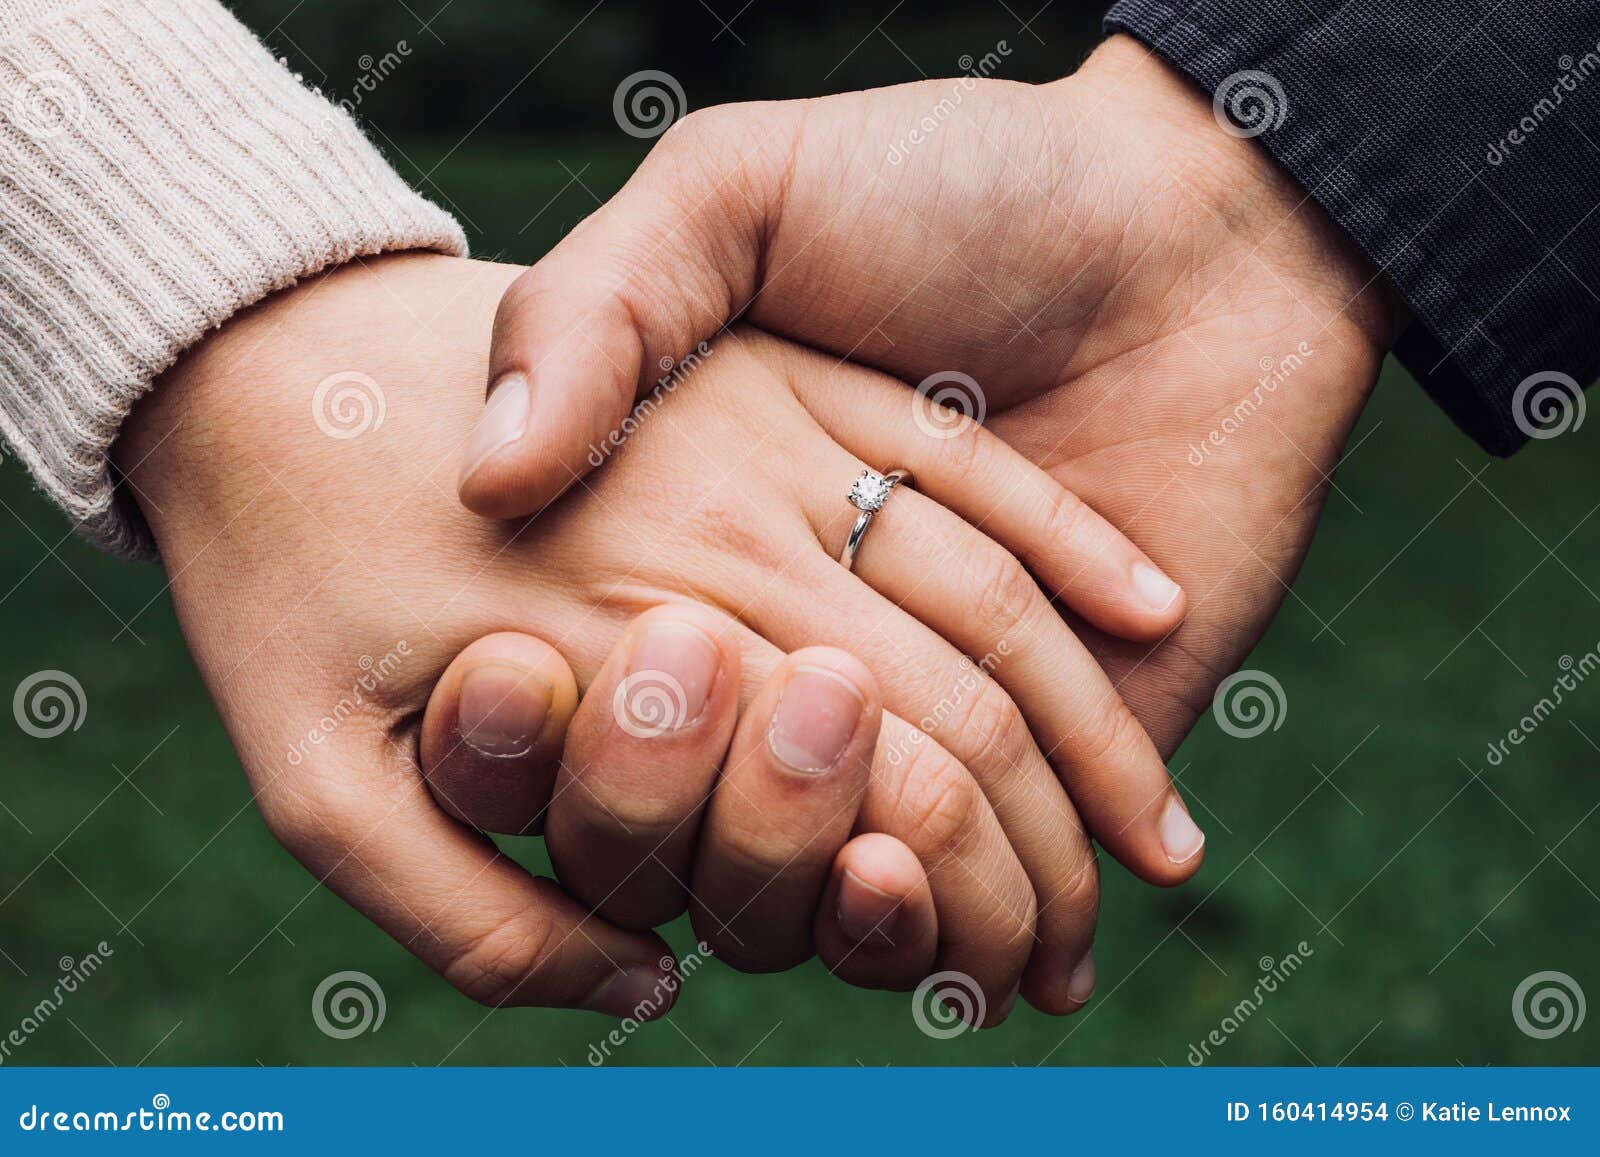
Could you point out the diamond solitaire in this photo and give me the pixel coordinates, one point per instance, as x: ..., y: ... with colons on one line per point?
x: 868, y: 494
x: 870, y: 491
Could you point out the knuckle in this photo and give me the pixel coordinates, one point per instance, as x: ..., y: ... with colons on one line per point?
x: 1064, y: 516
x: 1077, y: 901
x: 705, y: 149
x: 754, y: 859
x: 937, y: 802
x: 321, y: 812
x: 994, y: 726
x: 494, y: 966
x: 520, y: 298
x: 723, y: 520
x: 1010, y: 927
x: 1114, y: 739
x: 968, y: 454
x: 719, y: 129
x: 1004, y: 591
x: 739, y: 152
x: 645, y: 820
x: 1021, y: 923
x: 694, y: 128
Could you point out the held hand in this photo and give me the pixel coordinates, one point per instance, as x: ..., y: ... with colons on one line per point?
x: 329, y: 548
x: 1097, y: 256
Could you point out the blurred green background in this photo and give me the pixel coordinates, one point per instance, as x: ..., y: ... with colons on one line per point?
x: 1426, y: 883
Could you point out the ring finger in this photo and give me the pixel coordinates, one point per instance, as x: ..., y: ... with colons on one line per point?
x: 933, y: 554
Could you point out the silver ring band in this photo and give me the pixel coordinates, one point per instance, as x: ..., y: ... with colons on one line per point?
x: 868, y: 494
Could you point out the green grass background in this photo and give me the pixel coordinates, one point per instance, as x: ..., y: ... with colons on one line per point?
x: 1455, y: 585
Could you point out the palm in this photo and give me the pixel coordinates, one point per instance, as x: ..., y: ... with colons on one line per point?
x: 1230, y: 520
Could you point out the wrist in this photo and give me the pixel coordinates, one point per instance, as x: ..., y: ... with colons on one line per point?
x: 1234, y: 184
x: 244, y: 405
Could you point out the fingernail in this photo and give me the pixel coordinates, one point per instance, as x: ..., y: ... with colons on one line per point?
x: 1179, y: 835
x: 1080, y: 985
x: 640, y: 991
x: 1155, y: 588
x: 505, y: 419
x: 670, y: 675
x: 867, y: 914
x: 818, y: 711
x: 502, y: 710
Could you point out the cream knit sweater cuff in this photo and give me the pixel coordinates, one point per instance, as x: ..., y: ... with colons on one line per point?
x: 159, y: 172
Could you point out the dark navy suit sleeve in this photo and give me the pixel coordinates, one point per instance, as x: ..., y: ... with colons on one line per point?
x: 1458, y: 143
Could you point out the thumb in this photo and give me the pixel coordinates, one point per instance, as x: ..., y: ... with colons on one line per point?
x: 619, y: 303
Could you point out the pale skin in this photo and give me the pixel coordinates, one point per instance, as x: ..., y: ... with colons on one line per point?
x: 292, y: 553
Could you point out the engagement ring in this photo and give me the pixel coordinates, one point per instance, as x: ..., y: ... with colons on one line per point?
x: 867, y: 494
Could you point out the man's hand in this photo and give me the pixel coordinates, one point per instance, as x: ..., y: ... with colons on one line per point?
x: 1185, y: 339
x: 779, y: 871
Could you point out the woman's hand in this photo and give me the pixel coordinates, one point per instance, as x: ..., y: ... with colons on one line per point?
x: 294, y: 546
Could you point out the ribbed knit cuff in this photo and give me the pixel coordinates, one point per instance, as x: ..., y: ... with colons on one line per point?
x: 159, y: 172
